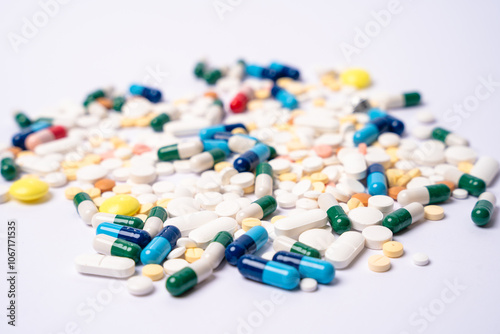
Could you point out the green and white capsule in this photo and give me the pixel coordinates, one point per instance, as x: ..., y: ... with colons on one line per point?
x: 187, y: 278
x: 158, y: 122
x: 404, y: 217
x: 216, y: 249
x: 85, y: 207
x: 103, y: 217
x: 206, y: 160
x: 474, y: 185
x: 483, y: 210
x: 109, y: 245
x: 258, y: 209
x: 263, y: 180
x: 154, y: 223
x: 284, y: 243
x: 180, y: 151
x: 391, y: 101
x: 336, y: 215
x: 432, y: 194
x: 449, y: 138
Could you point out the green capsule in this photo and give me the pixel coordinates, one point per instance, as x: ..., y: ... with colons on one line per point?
x: 411, y: 99
x: 448, y: 138
x: 104, y: 217
x: 118, y: 103
x: 9, y: 169
x: 187, y: 278
x: 94, y: 96
x: 219, y: 103
x: 268, y: 204
x: 303, y: 249
x: 483, y: 210
x: 402, y: 218
x: 339, y: 221
x: 158, y: 122
x: 109, y: 245
x: 212, y: 77
x: 22, y: 119
x: 180, y: 151
x: 224, y: 238
x: 474, y: 185
x: 199, y: 69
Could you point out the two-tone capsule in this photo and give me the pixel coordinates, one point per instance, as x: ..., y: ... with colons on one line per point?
x: 269, y: 272
x: 91, y: 97
x: 248, y: 243
x: 262, y: 72
x: 137, y: 236
x: 450, y: 139
x: 474, y: 185
x: 391, y: 101
x: 180, y: 151
x: 188, y: 277
x: 85, y: 207
x: 284, y: 243
x: 336, y: 215
x: 216, y: 249
x: 320, y: 270
x: 19, y: 139
x: 109, y: 245
x: 394, y: 125
x: 104, y: 217
x: 370, y: 132
x: 46, y: 135
x: 435, y: 193
x: 483, y: 210
x: 258, y: 209
x: 404, y: 217
x: 251, y: 158
x: 8, y: 168
x: 239, y: 143
x: 157, y: 250
x: 152, y: 94
x: 159, y: 121
x: 286, y: 98
x: 239, y: 103
x: 263, y: 180
x: 210, y: 144
x: 206, y: 160
x: 208, y: 133
x: 376, y: 181
x: 22, y: 119
x: 154, y: 223
x: 285, y: 71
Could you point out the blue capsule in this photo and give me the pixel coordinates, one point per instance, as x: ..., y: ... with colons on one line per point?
x: 19, y: 138
x: 222, y: 135
x: 208, y: 133
x: 262, y: 72
x: 135, y: 235
x: 251, y: 158
x: 377, y: 184
x: 370, y: 132
x: 285, y: 71
x: 153, y: 95
x: 157, y: 250
x: 210, y: 144
x: 322, y: 271
x: 269, y: 272
x: 394, y: 125
x: 248, y: 243
x: 287, y: 99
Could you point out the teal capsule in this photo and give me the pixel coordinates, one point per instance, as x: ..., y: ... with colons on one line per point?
x: 483, y: 210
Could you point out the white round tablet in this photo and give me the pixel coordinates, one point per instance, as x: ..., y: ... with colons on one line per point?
x: 140, y: 285
x: 383, y: 203
x: 422, y: 132
x: 91, y: 173
x: 300, y: 188
x: 164, y: 168
x: 56, y: 179
x: 243, y: 180
x: 142, y: 174
x: 312, y: 164
x: 389, y: 139
x: 424, y: 116
x: 112, y: 163
x: 308, y: 285
x: 306, y: 203
x: 147, y: 198
x: 176, y: 253
x: 376, y: 236
x: 338, y: 194
x: 286, y: 200
x: 420, y: 259
x: 209, y: 200
x: 227, y: 208
x: 365, y: 216
x: 162, y: 187
x: 121, y: 174
x: 457, y: 154
x: 460, y: 193
x: 280, y: 166
x: 174, y: 265
x: 140, y: 189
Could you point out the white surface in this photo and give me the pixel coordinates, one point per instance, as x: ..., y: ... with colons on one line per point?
x: 438, y: 48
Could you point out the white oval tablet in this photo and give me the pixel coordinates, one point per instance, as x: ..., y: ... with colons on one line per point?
x: 345, y: 249
x: 172, y: 266
x: 189, y: 222
x: 105, y: 265
x: 206, y: 232
x: 376, y: 236
x: 384, y: 204
x: 140, y: 285
x: 294, y: 225
x: 365, y: 216
x: 176, y: 252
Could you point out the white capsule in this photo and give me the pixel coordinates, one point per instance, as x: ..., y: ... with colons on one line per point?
x: 153, y: 225
x: 214, y: 253
x: 201, y: 162
x: 105, y: 265
x: 253, y: 210
x: 189, y: 148
x: 263, y: 185
x: 62, y: 145
x: 419, y: 195
x: 206, y: 232
x: 294, y: 225
x: 486, y: 168
x: 241, y: 144
x: 186, y: 127
x: 189, y: 222
x: 86, y: 210
x: 345, y: 249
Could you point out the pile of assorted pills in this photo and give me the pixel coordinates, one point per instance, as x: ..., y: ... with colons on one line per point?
x: 295, y: 178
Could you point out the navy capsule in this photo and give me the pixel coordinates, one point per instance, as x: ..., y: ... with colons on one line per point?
x: 208, y: 133
x: 19, y: 138
x: 287, y: 99
x: 210, y: 144
x: 285, y: 71
x: 157, y: 250
x: 254, y: 156
x: 248, y: 243
x: 262, y: 72
x: 140, y: 237
x: 152, y: 94
x: 395, y: 125
x: 269, y: 272
x: 370, y: 132
x: 376, y: 181
x: 322, y: 271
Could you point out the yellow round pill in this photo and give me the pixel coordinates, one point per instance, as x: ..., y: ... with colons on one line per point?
x: 433, y: 212
x: 356, y: 77
x: 28, y: 189
x: 248, y: 223
x: 120, y: 205
x: 276, y: 218
x: 379, y: 263
x: 319, y: 177
x: 153, y: 271
x: 145, y: 208
x: 163, y: 202
x: 221, y: 165
x: 319, y: 187
x: 70, y: 192
x: 141, y: 216
x: 393, y: 249
x: 288, y: 177
x: 193, y: 254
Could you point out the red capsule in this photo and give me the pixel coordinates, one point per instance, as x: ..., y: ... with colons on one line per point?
x: 44, y: 136
x: 239, y: 102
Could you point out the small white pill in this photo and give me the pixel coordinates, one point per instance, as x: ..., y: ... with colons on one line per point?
x: 308, y: 285
x: 420, y: 259
x: 227, y: 208
x: 286, y: 200
x: 460, y: 193
x: 140, y: 285
x: 376, y: 236
x: 174, y: 265
x: 306, y: 203
x: 176, y: 253
x: 425, y: 116
x: 318, y: 238
x: 365, y: 216
x: 243, y: 180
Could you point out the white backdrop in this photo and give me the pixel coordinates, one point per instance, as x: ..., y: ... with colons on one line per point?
x: 444, y: 50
